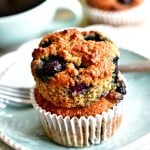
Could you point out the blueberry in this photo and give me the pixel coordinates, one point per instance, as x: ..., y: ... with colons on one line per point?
x: 50, y: 66
x: 45, y: 43
x: 125, y: 1
x: 115, y: 60
x: 121, y: 87
x: 116, y: 70
x: 78, y: 89
x: 94, y: 37
x: 115, y: 78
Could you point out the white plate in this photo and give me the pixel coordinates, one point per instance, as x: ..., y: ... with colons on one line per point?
x: 20, y: 127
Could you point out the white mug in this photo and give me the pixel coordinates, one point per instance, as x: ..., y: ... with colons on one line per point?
x: 20, y: 27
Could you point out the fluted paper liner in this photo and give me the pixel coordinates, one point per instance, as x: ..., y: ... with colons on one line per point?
x: 133, y: 16
x: 80, y: 132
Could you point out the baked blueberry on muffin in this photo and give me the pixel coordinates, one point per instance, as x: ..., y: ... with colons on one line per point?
x: 79, y: 89
x: 117, y: 12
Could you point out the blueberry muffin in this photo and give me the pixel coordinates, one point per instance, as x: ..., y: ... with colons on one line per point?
x: 114, y: 5
x: 77, y: 78
x: 117, y: 12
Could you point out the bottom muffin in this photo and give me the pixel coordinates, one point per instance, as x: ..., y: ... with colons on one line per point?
x: 80, y: 127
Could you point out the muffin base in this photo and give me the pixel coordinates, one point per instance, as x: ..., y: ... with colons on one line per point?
x: 83, y: 131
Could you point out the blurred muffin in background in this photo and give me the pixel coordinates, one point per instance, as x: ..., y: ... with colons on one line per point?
x: 117, y: 12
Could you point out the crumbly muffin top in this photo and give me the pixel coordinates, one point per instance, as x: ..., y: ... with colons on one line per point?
x: 114, y: 5
x: 85, y: 54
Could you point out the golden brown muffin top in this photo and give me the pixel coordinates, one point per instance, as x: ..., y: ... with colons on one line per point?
x: 87, y: 55
x: 114, y: 5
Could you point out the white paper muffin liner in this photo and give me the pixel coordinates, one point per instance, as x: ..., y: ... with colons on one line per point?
x: 80, y: 132
x: 133, y: 16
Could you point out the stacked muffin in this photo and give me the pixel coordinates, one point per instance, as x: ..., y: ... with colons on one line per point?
x: 118, y: 12
x: 79, y: 90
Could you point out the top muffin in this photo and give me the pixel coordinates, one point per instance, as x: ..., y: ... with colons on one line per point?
x: 114, y: 5
x: 73, y: 68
